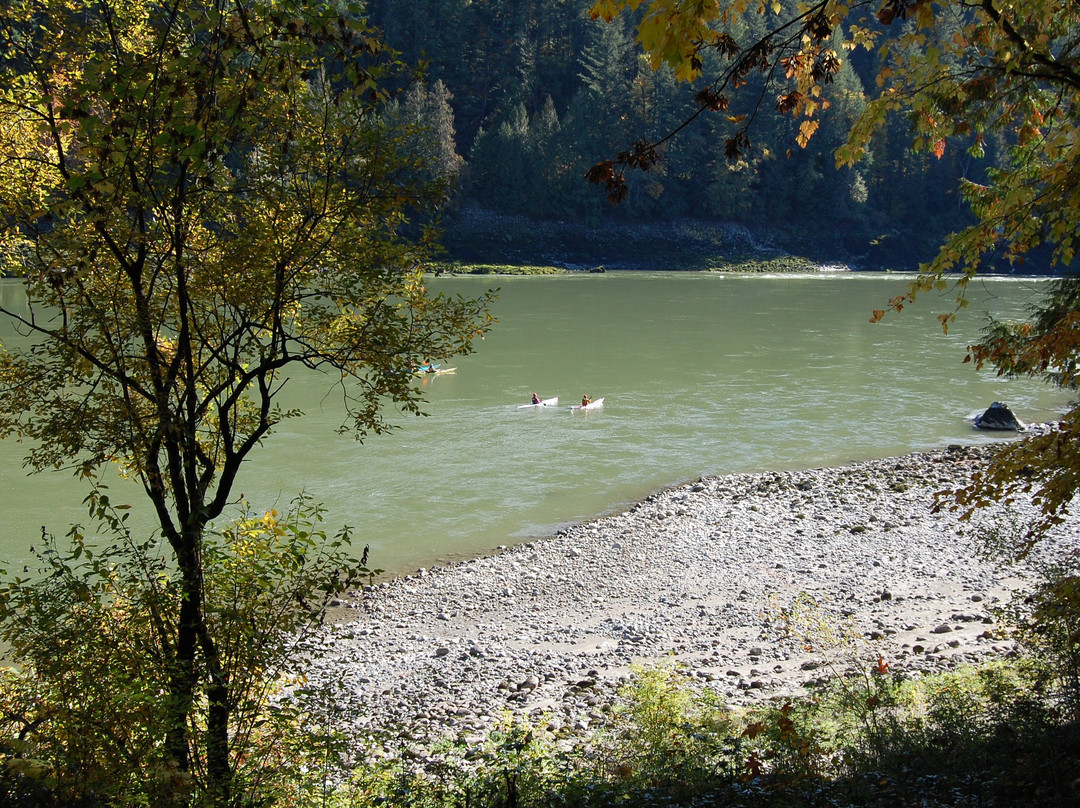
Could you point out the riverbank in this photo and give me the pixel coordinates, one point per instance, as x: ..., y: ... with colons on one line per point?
x: 772, y: 266
x: 477, y: 237
x: 693, y: 576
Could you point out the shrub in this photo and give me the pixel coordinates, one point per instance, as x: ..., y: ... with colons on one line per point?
x: 85, y: 711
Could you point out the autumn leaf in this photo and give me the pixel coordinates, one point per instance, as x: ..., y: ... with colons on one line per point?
x: 714, y: 101
x: 789, y: 102
x: 753, y: 730
x: 806, y: 131
x: 735, y: 147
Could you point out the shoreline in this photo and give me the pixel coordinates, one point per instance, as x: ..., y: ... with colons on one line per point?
x: 687, y: 577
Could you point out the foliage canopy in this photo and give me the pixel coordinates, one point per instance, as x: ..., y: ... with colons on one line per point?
x: 200, y: 198
x: 961, y: 74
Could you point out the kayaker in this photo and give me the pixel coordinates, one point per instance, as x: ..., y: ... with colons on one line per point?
x: 535, y: 398
x: 585, y: 400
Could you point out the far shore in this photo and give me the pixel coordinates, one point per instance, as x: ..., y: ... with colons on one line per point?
x: 775, y: 265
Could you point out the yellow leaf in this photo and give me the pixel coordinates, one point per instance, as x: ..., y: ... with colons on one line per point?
x: 806, y: 131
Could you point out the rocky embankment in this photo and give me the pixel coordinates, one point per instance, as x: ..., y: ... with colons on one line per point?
x: 695, y: 575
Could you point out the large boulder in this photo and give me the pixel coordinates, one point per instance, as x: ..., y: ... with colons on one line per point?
x: 999, y: 416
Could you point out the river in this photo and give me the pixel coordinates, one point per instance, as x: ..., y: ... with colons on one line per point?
x: 702, y: 373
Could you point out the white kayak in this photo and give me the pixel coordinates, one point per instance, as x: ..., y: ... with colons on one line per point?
x: 547, y: 402
x: 592, y: 405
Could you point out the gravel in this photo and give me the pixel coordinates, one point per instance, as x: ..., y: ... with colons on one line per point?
x: 697, y: 576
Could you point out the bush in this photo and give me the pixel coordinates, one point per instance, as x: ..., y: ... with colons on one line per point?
x: 84, y: 715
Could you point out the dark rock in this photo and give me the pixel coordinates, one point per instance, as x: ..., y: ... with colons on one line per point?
x: 998, y: 416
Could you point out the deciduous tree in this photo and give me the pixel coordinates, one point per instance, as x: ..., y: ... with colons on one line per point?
x: 964, y: 75
x: 202, y: 197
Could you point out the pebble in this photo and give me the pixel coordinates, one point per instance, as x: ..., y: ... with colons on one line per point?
x: 683, y: 578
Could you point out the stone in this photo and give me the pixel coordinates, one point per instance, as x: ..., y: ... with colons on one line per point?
x: 999, y: 417
x: 690, y: 586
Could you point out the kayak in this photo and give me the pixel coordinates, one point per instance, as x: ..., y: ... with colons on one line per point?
x: 547, y: 402
x: 436, y: 372
x: 592, y: 405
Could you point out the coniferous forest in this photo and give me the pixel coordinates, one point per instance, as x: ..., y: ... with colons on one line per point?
x: 521, y: 97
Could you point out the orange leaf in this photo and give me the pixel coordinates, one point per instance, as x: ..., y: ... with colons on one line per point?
x: 806, y: 131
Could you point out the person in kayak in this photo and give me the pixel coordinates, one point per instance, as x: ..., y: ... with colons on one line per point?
x: 585, y: 400
x: 535, y: 398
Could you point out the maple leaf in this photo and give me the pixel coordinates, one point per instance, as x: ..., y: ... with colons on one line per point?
x: 601, y: 173
x: 806, y: 131
x: 788, y: 103
x: 898, y: 9
x: 735, y: 146
x: 725, y: 45
x: 820, y: 28
x: 753, y: 730
x: 715, y: 101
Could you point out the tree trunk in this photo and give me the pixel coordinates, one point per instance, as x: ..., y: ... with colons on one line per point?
x: 191, y: 668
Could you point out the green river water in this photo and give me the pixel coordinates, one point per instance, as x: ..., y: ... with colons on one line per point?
x: 701, y: 374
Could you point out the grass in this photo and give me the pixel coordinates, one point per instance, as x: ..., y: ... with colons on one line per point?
x: 458, y: 268
x: 789, y: 263
x: 785, y: 264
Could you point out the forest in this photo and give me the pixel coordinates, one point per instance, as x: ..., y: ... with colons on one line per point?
x: 521, y: 97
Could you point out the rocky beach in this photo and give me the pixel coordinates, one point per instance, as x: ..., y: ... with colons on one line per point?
x: 709, y: 577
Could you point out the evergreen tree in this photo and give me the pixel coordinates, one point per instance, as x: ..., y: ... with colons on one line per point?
x: 429, y: 118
